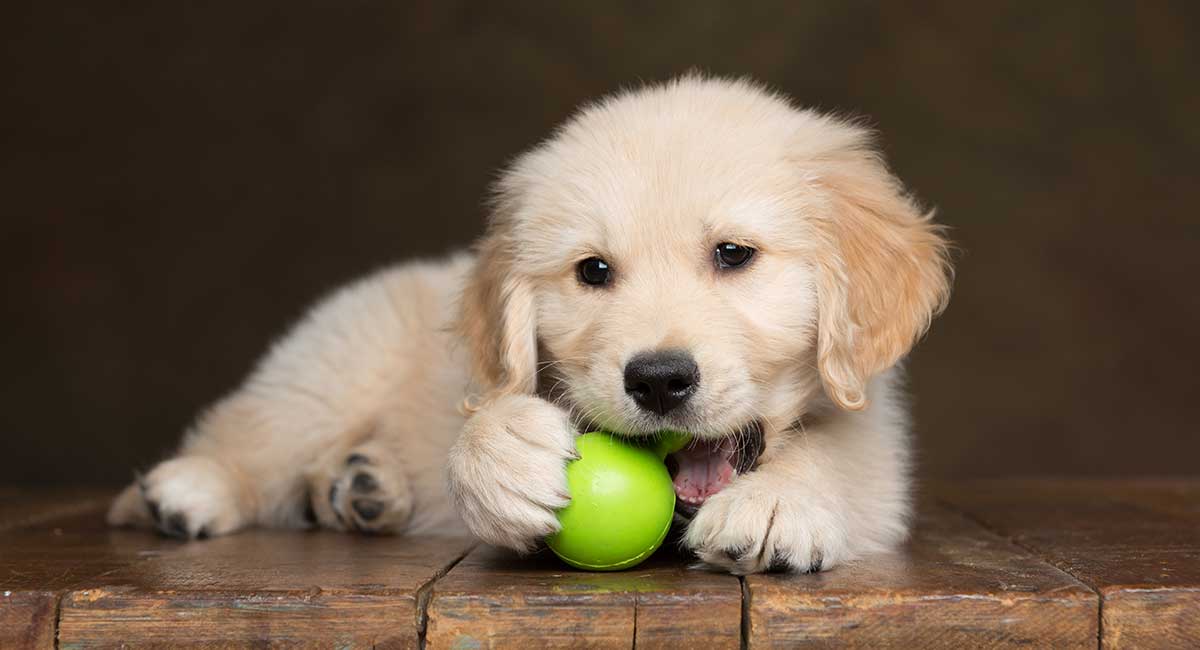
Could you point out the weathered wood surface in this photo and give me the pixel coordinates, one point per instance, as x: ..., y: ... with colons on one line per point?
x: 1135, y: 542
x: 990, y: 564
x: 317, y: 588
x: 112, y: 587
x: 954, y: 586
x: 495, y: 599
x: 37, y: 565
x: 27, y: 618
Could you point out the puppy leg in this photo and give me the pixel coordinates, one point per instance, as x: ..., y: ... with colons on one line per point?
x: 377, y: 348
x: 507, y: 471
x: 209, y: 488
x: 828, y: 495
x: 364, y: 487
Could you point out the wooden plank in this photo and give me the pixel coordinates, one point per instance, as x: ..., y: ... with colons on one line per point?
x: 495, y: 599
x: 257, y: 587
x: 108, y: 587
x: 1136, y: 542
x: 955, y: 585
x: 27, y: 618
x: 39, y: 559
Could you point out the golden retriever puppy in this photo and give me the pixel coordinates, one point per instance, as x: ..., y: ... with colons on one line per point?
x: 699, y: 256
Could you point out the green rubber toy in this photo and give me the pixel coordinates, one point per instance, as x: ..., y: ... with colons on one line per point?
x: 622, y: 502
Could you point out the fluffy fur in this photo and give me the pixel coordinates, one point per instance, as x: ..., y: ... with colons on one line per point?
x: 439, y: 394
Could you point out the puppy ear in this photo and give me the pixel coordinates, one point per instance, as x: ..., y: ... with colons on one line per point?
x: 884, y: 272
x: 498, y: 319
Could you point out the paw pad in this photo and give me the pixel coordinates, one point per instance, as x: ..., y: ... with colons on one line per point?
x: 368, y: 509
x: 364, y: 498
x: 364, y: 483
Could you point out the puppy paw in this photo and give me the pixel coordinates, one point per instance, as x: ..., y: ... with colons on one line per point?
x: 755, y: 526
x: 190, y: 497
x: 364, y: 489
x: 507, y: 471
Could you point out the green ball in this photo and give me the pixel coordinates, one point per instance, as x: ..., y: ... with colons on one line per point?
x: 622, y: 502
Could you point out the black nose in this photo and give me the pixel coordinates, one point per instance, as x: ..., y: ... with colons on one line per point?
x: 662, y: 380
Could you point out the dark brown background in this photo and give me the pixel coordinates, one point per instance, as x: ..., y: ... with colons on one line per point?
x: 178, y: 182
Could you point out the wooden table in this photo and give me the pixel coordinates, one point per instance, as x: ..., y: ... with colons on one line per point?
x: 1049, y: 563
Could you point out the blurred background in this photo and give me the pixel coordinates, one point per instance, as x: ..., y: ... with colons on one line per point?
x: 178, y: 181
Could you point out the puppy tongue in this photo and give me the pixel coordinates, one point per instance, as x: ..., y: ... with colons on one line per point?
x: 704, y: 469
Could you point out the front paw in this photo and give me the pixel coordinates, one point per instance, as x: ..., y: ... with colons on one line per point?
x: 757, y: 525
x: 507, y: 472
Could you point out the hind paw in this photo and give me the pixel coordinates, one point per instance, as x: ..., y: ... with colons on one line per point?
x: 363, y: 491
x: 190, y: 497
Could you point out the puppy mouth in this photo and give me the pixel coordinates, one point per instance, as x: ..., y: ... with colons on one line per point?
x: 706, y: 466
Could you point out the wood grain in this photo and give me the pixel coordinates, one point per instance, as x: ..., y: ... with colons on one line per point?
x: 955, y: 585
x: 39, y: 560
x: 27, y: 618
x: 1132, y: 546
x: 285, y: 588
x: 110, y: 587
x: 42, y: 563
x: 1136, y: 542
x: 495, y: 599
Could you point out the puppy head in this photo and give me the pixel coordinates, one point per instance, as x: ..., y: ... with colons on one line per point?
x: 700, y: 256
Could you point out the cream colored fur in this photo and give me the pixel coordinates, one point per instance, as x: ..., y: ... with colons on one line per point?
x: 804, y: 341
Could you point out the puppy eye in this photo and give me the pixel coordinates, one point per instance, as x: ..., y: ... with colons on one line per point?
x: 731, y: 256
x: 594, y: 271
